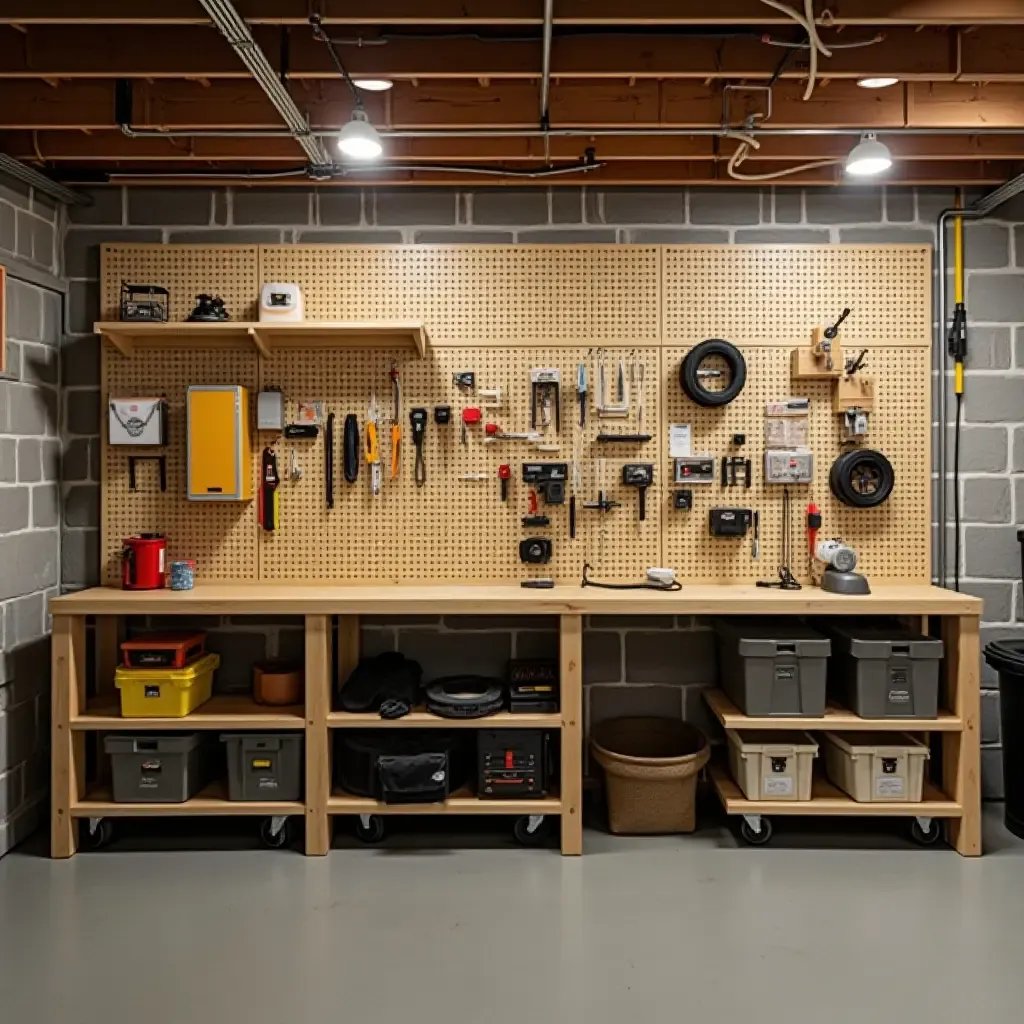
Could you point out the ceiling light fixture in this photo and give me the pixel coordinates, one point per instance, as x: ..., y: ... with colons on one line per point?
x: 377, y: 84
x: 876, y: 83
x: 868, y: 157
x: 359, y: 139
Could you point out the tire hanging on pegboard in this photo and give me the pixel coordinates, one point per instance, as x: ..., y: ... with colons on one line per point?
x: 691, y: 375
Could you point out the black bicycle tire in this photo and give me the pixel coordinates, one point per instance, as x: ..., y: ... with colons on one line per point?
x: 840, y: 473
x: 690, y: 382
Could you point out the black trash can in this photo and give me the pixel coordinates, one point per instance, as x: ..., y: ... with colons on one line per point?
x: 1007, y: 658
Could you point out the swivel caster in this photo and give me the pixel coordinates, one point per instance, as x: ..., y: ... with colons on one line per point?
x: 755, y: 829
x: 370, y: 828
x: 925, y: 831
x: 274, y: 832
x: 97, y: 833
x: 530, y: 830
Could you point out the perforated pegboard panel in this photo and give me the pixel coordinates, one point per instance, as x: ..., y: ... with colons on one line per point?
x: 500, y: 311
x: 482, y: 294
x: 763, y: 294
x: 230, y: 271
x: 891, y: 541
x: 220, y: 536
x: 455, y: 528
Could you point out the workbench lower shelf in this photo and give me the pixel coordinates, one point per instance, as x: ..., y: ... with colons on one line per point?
x: 212, y: 800
x: 419, y: 719
x: 462, y: 801
x: 232, y: 713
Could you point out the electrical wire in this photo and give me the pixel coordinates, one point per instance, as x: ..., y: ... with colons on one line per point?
x: 748, y: 142
x: 806, y: 21
x: 319, y: 34
x: 587, y: 582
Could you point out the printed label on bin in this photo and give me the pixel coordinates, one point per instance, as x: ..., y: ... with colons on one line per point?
x: 778, y: 785
x: 899, y: 686
x: 268, y: 782
x: 889, y: 785
x: 152, y: 691
x: 787, y: 672
x: 261, y: 762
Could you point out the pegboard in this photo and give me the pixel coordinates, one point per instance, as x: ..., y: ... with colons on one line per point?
x: 220, y: 536
x: 500, y: 310
x: 482, y: 294
x: 230, y: 271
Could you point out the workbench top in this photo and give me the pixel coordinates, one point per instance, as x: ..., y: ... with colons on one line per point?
x: 242, y: 598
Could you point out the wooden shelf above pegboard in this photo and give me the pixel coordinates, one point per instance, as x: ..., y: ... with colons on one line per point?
x: 128, y: 337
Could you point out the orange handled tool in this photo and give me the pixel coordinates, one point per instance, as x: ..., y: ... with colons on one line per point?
x: 396, y: 421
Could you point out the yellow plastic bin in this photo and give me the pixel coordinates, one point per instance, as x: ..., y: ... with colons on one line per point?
x: 166, y: 692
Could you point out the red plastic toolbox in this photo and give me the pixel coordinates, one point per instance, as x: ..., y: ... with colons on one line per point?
x: 163, y: 650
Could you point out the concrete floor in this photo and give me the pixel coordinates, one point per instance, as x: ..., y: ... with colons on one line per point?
x: 668, y: 929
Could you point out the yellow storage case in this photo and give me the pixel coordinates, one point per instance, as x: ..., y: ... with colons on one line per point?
x: 219, y: 446
x: 166, y: 692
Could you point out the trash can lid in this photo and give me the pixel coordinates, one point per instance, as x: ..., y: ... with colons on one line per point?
x: 1006, y: 656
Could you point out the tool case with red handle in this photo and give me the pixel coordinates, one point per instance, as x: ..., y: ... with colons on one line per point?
x: 163, y: 650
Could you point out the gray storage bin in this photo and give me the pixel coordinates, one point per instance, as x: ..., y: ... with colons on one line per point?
x: 164, y: 769
x: 880, y: 671
x: 773, y: 668
x: 264, y: 766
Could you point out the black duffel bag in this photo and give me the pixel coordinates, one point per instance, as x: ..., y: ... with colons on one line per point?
x: 385, y: 677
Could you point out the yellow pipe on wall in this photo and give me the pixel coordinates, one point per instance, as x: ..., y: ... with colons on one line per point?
x: 958, y: 282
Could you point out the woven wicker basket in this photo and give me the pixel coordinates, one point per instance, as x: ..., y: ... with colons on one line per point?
x: 651, y: 767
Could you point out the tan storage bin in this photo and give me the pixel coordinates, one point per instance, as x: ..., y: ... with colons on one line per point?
x: 876, y: 767
x: 772, y: 765
x: 651, y: 767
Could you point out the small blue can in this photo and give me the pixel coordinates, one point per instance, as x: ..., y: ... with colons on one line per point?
x: 183, y: 575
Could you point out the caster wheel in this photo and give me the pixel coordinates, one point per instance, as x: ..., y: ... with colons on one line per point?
x: 756, y: 838
x: 373, y: 831
x: 275, y: 840
x: 926, y: 837
x: 523, y: 835
x: 100, y: 838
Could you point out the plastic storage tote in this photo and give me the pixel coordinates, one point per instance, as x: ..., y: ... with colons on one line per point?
x: 773, y: 668
x: 883, y: 672
x: 1007, y: 658
x: 876, y: 767
x: 770, y: 765
x: 264, y: 766
x: 651, y: 767
x: 157, y: 769
x: 166, y: 692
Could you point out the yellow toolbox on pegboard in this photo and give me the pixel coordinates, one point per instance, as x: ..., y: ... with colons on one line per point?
x: 166, y: 692
x: 219, y: 445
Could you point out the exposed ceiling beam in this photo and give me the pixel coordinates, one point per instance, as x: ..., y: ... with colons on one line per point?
x: 512, y: 12
x: 110, y: 146
x: 668, y: 174
x: 198, y: 52
x: 186, y: 105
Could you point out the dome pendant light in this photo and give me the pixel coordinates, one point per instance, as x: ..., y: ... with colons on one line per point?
x: 868, y: 157
x: 359, y: 139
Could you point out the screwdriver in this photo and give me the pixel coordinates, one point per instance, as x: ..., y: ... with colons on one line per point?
x: 396, y: 420
x: 504, y: 472
x: 372, y: 448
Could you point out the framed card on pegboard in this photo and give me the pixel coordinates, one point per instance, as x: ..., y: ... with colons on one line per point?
x: 3, y: 318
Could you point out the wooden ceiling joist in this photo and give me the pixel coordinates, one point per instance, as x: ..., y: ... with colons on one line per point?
x: 511, y: 12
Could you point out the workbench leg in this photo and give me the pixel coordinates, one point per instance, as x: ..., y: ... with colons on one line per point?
x: 570, y: 644
x: 961, y: 751
x: 348, y: 647
x: 318, y: 762
x: 67, y: 755
x: 107, y: 656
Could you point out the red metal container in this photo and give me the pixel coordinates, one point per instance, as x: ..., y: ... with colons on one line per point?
x: 144, y: 562
x: 163, y: 650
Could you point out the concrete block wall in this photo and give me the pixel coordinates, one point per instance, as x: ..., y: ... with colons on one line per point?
x: 30, y: 498
x: 623, y: 674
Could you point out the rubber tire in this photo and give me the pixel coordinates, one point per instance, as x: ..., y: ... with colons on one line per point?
x: 274, y: 842
x: 100, y: 838
x: 929, y: 838
x: 840, y: 472
x: 690, y: 382
x: 526, y: 838
x: 752, y: 838
x: 372, y: 833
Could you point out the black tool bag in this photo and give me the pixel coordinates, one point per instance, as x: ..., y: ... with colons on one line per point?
x: 388, y: 676
x: 410, y: 767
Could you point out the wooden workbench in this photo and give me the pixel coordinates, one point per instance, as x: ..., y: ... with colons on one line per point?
x: 955, y: 796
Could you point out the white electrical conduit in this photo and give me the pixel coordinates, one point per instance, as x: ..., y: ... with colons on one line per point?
x: 748, y: 142
x: 806, y: 21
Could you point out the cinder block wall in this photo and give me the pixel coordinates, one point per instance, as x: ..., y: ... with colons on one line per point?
x: 30, y: 249
x: 655, y: 664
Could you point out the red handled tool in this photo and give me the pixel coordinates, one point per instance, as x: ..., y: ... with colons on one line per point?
x: 470, y: 415
x: 532, y: 498
x: 504, y: 473
x: 813, y: 526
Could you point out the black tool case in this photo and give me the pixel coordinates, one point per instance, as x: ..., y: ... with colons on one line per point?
x: 411, y: 768
x: 513, y: 763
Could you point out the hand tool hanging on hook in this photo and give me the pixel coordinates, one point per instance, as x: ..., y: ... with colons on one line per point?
x: 418, y: 426
x: 329, y: 460
x: 350, y: 445
x: 396, y: 420
x: 373, y: 446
